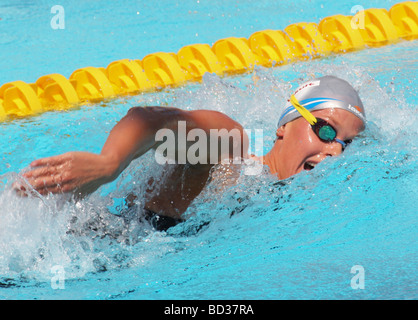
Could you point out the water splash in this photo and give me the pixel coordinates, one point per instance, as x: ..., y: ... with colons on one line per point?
x: 359, y: 198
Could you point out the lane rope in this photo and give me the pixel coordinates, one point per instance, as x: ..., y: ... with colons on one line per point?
x: 269, y: 48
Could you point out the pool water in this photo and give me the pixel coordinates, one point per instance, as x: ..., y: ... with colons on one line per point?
x: 259, y: 239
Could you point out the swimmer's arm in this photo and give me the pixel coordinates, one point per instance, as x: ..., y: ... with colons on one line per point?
x: 133, y: 136
x: 136, y: 133
x: 84, y: 172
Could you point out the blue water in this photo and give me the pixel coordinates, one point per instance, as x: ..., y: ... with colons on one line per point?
x: 259, y: 239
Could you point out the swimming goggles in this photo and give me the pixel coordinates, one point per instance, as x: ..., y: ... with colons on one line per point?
x: 322, y: 128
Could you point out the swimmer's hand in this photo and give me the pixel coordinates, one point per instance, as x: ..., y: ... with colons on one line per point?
x: 79, y: 172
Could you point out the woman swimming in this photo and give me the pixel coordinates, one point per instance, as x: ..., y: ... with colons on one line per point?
x: 320, y: 119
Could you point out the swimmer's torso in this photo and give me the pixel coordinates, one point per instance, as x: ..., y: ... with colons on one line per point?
x: 175, y: 190
x: 172, y: 194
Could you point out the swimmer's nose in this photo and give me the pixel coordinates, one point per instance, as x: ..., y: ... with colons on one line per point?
x: 332, y: 149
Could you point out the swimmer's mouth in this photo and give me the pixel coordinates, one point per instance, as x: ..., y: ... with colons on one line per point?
x: 309, y: 165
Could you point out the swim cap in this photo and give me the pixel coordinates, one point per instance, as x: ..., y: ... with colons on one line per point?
x: 325, y: 93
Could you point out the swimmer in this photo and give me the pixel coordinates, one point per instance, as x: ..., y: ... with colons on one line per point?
x: 320, y: 120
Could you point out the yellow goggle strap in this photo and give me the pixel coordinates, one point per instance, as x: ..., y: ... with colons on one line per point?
x: 302, y: 110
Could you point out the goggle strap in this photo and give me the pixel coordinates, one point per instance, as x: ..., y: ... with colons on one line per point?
x: 342, y: 142
x: 302, y: 110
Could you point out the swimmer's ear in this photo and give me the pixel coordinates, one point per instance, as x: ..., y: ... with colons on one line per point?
x: 280, y: 132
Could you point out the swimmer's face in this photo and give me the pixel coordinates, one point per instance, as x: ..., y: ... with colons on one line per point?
x: 300, y: 148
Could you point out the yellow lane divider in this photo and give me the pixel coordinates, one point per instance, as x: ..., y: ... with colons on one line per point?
x: 338, y: 32
x: 299, y: 41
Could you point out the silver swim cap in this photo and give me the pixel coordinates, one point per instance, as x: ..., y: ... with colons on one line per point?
x: 325, y: 93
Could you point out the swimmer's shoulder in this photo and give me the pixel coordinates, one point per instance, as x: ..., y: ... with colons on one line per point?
x: 211, y: 119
